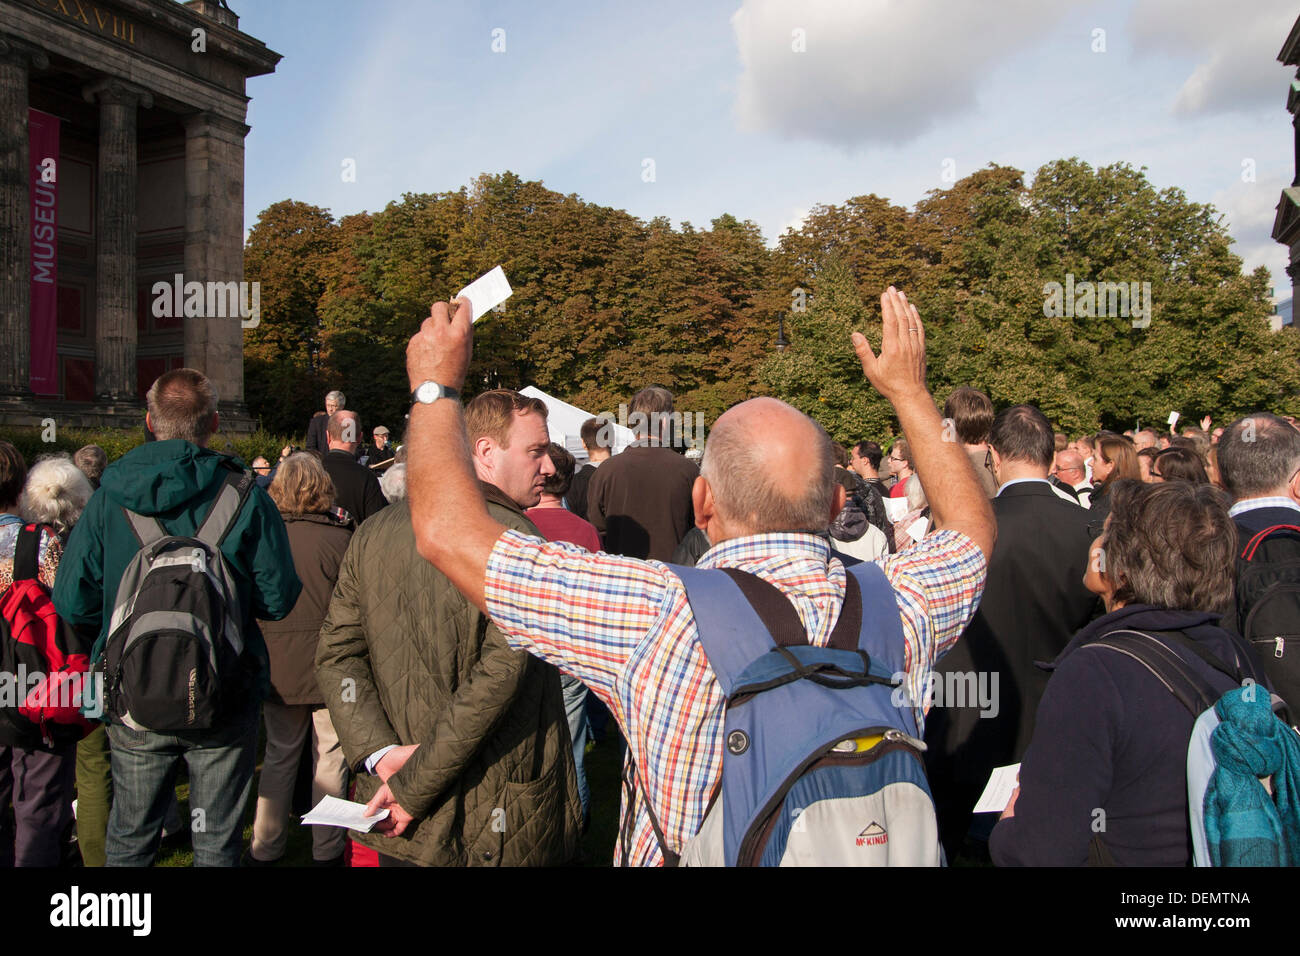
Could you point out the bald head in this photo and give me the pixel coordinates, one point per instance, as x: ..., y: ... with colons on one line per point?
x: 1069, y: 466
x: 770, y: 468
x: 343, y: 430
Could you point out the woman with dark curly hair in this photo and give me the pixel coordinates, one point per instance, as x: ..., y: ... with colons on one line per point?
x: 1104, y: 779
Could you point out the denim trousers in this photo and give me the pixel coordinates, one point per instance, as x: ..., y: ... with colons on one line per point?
x: 220, y: 764
x: 575, y: 710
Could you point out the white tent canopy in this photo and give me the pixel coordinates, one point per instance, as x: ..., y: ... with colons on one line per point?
x: 564, y: 422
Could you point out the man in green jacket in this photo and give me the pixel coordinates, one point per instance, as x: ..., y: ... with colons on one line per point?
x: 463, y: 740
x: 175, y: 480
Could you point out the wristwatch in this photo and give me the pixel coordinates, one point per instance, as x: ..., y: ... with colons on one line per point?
x: 426, y: 393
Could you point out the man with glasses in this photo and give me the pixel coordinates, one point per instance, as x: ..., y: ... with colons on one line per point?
x: 900, y: 463
x: 1068, y: 478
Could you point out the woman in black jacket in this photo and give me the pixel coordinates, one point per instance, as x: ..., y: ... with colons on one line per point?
x: 1104, y: 779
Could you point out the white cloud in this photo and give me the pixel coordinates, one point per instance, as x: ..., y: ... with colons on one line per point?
x: 1249, y: 210
x: 1234, y: 48
x: 873, y: 71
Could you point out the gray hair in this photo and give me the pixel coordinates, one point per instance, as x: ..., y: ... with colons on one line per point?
x: 337, y: 396
x: 746, y: 490
x: 916, y: 499
x: 1171, y: 544
x: 56, y: 493
x: 393, y: 483
x: 181, y: 404
x: 1257, y: 454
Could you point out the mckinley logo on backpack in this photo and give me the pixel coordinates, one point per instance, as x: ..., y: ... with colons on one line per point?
x: 173, y: 660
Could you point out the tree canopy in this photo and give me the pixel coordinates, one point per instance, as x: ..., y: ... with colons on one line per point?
x: 605, y: 303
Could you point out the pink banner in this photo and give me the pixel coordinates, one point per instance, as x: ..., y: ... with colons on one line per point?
x: 43, y: 153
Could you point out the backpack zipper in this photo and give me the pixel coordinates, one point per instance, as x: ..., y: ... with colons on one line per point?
x: 1279, y: 644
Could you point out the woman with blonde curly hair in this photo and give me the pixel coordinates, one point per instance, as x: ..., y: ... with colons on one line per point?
x: 304, y: 494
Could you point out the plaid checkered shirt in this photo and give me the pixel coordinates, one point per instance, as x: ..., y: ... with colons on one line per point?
x: 624, y: 628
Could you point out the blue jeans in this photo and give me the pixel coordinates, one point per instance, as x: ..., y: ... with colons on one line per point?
x: 575, y: 710
x: 220, y: 764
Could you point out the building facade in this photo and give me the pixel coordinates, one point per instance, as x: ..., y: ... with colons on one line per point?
x: 121, y: 172
x: 1286, y: 227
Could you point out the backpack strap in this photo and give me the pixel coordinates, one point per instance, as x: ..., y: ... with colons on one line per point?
x: 27, y: 553
x: 1192, y: 690
x: 225, y: 509
x: 1248, y: 552
x: 147, y: 530
x: 782, y: 621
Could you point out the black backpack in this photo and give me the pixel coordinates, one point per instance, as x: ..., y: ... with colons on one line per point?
x: 1268, y: 605
x: 174, y: 660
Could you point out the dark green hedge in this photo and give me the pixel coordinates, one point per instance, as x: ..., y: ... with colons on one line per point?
x: 117, y: 442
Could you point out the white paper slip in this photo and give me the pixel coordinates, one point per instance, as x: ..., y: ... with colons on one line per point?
x: 1173, y: 419
x: 486, y: 292
x: 1002, y: 783
x: 333, y: 812
x: 917, y: 529
x: 896, y: 508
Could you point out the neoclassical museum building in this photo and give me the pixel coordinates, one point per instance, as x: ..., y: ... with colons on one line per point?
x: 121, y: 166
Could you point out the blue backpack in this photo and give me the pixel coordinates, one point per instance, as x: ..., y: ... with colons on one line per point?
x: 822, y: 759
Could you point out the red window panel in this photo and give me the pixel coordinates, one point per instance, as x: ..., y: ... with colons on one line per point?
x: 78, y: 379
x: 147, y: 370
x: 69, y: 309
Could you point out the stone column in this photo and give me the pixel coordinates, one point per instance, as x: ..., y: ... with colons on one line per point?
x: 214, y: 247
x: 115, y: 239
x: 15, y: 213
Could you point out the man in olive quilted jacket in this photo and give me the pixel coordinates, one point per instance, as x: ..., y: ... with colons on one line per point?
x: 463, y: 740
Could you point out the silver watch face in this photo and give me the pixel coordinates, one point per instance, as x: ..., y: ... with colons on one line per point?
x: 428, y: 392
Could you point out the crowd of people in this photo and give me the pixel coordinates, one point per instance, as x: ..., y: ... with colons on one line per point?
x: 436, y: 626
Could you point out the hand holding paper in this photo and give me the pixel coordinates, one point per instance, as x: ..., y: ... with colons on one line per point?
x: 333, y: 812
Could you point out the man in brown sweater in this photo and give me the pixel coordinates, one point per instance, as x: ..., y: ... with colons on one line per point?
x: 640, y: 500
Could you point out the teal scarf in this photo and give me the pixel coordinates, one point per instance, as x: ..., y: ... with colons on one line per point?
x: 1244, y: 825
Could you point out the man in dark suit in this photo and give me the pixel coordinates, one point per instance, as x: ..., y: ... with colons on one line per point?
x: 316, y: 440
x: 987, y: 688
x: 356, y: 489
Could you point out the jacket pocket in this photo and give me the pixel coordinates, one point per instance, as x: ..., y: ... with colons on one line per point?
x: 529, y: 825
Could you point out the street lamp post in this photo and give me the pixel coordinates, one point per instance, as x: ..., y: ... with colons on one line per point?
x: 781, y: 341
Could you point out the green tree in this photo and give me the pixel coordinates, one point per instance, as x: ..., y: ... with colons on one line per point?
x: 819, y: 374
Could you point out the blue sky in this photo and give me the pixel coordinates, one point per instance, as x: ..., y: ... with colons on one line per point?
x: 764, y: 108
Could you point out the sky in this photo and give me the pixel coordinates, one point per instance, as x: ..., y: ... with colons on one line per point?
x: 765, y: 108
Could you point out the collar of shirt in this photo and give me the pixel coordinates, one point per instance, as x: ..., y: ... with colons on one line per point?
x: 8, y: 518
x: 1021, y: 481
x: 755, y: 548
x: 1253, y: 504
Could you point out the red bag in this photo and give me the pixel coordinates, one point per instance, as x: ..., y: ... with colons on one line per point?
x: 44, y: 674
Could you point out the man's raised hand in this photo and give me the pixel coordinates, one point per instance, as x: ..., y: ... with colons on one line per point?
x: 440, y: 351
x: 899, y: 369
